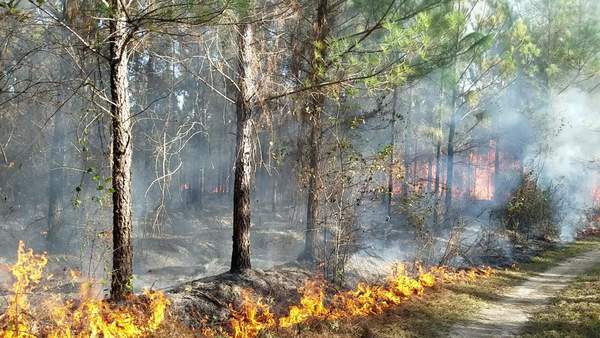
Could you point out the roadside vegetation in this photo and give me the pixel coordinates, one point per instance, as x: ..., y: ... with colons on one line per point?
x: 435, y: 313
x: 575, y: 312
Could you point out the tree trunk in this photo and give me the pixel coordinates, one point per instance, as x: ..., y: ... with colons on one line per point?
x: 56, y: 174
x: 450, y: 152
x: 121, y: 285
x: 390, y: 188
x: 275, y: 188
x: 496, y: 181
x: 450, y: 162
x: 438, y: 163
x: 244, y: 166
x: 436, y: 182
x: 429, y: 173
x: 312, y: 206
x: 405, y: 156
x: 56, y: 183
x: 315, y: 107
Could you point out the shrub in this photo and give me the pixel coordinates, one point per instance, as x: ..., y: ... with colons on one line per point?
x: 531, y: 211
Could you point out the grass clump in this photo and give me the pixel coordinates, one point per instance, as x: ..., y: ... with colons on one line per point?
x: 575, y: 312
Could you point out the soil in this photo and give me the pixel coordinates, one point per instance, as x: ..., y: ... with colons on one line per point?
x: 507, y: 316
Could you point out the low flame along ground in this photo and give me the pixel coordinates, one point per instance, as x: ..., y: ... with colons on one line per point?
x: 89, y: 316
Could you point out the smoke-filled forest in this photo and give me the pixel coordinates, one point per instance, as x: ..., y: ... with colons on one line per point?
x: 299, y: 168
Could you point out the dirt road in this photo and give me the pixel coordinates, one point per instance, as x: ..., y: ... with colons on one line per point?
x: 506, y: 317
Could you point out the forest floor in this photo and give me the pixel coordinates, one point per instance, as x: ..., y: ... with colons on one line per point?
x: 507, y: 304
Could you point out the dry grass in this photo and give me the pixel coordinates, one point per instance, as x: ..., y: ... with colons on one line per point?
x: 434, y: 314
x: 575, y: 312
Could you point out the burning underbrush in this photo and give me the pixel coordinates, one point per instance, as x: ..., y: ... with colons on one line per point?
x: 256, y: 308
x: 591, y: 223
x: 33, y: 310
x: 240, y: 305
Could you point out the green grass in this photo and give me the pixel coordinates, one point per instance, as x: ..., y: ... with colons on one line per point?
x: 554, y: 255
x: 575, y: 312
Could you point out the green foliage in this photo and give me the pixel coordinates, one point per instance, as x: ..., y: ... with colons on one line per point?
x: 568, y: 35
x: 531, y: 212
x: 241, y: 7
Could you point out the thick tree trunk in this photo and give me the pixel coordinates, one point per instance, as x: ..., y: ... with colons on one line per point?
x: 315, y: 107
x: 312, y: 206
x: 121, y: 156
x: 242, y: 188
x: 244, y: 166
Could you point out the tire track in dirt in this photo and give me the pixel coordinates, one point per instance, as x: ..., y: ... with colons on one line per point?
x: 507, y: 316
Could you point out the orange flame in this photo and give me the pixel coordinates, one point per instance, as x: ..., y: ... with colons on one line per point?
x: 255, y: 316
x: 86, y: 316
x: 596, y: 195
x: 311, y: 305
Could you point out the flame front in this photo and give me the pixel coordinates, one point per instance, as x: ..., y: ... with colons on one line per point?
x: 364, y: 300
x: 27, y: 272
x: 89, y: 316
x: 253, y: 317
x: 85, y: 316
x: 311, y: 305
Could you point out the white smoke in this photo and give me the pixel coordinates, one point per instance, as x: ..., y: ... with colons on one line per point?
x: 570, y: 152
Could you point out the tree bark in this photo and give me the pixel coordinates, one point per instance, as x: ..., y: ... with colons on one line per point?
x: 405, y: 157
x: 56, y: 174
x: 436, y: 183
x: 315, y: 107
x: 450, y: 153
x: 429, y: 173
x: 56, y: 183
x: 122, y: 272
x: 244, y: 166
x: 390, y: 188
x: 450, y: 163
x: 496, y: 180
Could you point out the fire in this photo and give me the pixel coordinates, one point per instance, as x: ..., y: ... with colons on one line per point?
x: 89, y: 316
x: 85, y: 316
x: 364, y: 300
x: 28, y: 273
x: 311, y: 305
x: 218, y: 189
x: 596, y: 195
x: 482, y: 175
x: 474, y: 174
x: 253, y: 317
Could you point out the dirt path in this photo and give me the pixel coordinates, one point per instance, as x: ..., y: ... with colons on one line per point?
x: 506, y: 317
